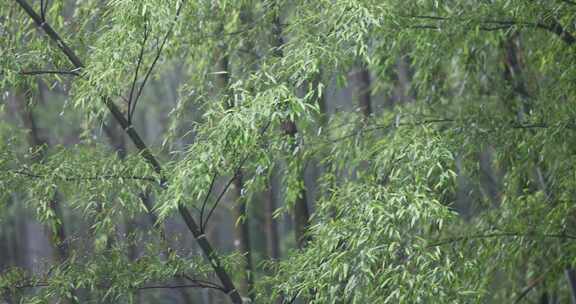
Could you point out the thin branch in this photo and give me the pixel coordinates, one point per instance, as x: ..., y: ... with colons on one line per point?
x: 425, y: 27
x: 43, y: 9
x: 41, y: 72
x: 138, y: 65
x: 156, y: 58
x: 482, y: 28
x: 499, y: 235
x: 198, y: 285
x: 190, y: 279
x: 81, y: 178
x: 484, y: 21
x: 292, y: 300
x: 229, y: 183
x: 530, y: 287
x: 552, y: 25
x: 224, y: 190
x: 425, y: 17
x: 389, y: 126
x: 205, y: 201
x: 516, y: 126
x: 51, y: 33
x: 555, y: 27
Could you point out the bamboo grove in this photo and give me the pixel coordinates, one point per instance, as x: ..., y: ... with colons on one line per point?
x: 327, y: 151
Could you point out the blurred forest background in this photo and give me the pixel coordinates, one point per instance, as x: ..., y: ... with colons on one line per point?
x: 269, y: 151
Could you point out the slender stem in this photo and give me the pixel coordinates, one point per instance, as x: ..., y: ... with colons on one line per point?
x: 80, y: 178
x: 40, y: 72
x: 529, y: 288
x: 138, y: 65
x: 205, y: 201
x: 551, y: 25
x: 218, y: 199
x: 555, y: 27
x: 464, y: 122
x: 300, y: 208
x: 231, y: 180
x: 194, y: 284
x: 51, y: 33
x: 499, y: 235
x: 154, y: 62
x: 197, y: 285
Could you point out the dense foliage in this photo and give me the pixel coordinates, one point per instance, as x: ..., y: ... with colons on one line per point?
x: 456, y: 186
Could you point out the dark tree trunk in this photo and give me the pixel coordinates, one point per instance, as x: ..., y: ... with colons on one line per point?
x: 301, y: 220
x: 515, y: 76
x: 403, y: 79
x: 38, y: 145
x: 361, y: 89
x: 242, y: 234
x: 241, y: 221
x: 301, y: 212
x: 571, y: 277
x: 271, y: 227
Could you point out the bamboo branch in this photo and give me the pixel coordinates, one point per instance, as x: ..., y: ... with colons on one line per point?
x: 529, y: 288
x: 556, y: 28
x: 482, y: 28
x: 200, y: 237
x: 499, y: 235
x: 154, y: 62
x: 229, y: 183
x: 43, y: 8
x: 195, y: 284
x: 205, y: 201
x: 51, y: 33
x: 138, y: 65
x: 514, y: 126
x: 551, y: 25
x: 87, y: 178
x: 182, y: 286
x: 41, y: 72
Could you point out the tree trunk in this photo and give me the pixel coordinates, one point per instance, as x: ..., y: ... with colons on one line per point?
x: 301, y: 212
x: 241, y: 221
x: 271, y: 227
x: 571, y: 277
x: 514, y: 75
x: 38, y: 145
x: 242, y: 234
x: 361, y: 89
x: 403, y: 77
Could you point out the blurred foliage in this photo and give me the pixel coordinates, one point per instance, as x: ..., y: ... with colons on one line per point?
x: 387, y: 228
